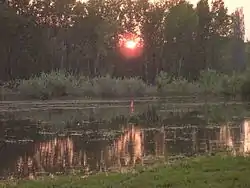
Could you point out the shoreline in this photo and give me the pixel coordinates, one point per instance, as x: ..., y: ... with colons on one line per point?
x: 174, y: 102
x: 203, y: 171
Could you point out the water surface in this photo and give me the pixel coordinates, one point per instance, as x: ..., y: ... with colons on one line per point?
x: 89, y: 141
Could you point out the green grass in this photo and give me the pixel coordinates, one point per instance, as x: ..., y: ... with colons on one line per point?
x: 200, y: 172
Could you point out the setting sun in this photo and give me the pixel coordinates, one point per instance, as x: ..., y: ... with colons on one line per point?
x: 130, y: 44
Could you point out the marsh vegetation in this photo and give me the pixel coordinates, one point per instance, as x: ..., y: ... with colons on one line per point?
x: 62, y: 84
x: 77, y: 111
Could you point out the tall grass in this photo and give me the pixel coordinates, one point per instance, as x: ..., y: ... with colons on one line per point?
x: 60, y: 83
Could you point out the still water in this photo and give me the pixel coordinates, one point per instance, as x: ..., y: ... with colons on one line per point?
x: 28, y: 148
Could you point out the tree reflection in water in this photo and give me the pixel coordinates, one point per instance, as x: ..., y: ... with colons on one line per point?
x: 63, y: 154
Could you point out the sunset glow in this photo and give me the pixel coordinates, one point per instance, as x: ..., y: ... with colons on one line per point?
x: 130, y: 45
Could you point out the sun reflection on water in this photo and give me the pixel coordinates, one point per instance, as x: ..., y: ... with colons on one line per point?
x: 134, y: 146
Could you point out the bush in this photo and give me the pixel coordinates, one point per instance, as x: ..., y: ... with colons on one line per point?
x: 166, y: 84
x: 245, y: 90
x: 48, y: 85
x: 211, y: 81
x: 60, y: 83
x: 132, y: 87
x: 12, y: 84
x: 232, y: 85
x: 182, y: 85
x: 106, y: 86
x: 245, y: 86
x: 162, y: 80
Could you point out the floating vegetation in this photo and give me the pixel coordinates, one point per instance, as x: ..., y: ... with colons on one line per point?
x: 18, y: 141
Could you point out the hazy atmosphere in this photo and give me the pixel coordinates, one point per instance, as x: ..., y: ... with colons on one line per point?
x: 124, y: 94
x: 232, y: 5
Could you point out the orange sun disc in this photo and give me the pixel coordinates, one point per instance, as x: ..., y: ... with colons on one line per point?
x: 130, y: 45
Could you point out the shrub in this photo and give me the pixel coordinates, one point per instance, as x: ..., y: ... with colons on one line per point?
x: 232, y: 85
x: 211, y: 81
x: 132, y: 87
x: 47, y: 85
x: 84, y: 87
x: 12, y: 84
x: 166, y: 84
x: 162, y: 80
x: 245, y: 86
x: 183, y: 86
x: 245, y: 90
x: 60, y: 83
x: 106, y: 86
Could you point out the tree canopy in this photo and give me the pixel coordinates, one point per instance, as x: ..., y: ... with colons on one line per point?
x: 178, y: 38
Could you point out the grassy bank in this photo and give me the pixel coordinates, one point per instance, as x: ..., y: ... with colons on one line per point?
x: 200, y: 172
x: 60, y: 84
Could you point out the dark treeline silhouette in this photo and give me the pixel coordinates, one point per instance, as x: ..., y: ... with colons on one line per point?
x: 179, y: 38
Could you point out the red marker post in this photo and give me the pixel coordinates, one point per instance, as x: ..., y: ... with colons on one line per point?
x: 132, y: 109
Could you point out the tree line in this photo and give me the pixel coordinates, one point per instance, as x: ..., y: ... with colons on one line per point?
x: 81, y: 37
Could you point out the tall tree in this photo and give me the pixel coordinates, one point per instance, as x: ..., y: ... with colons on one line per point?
x: 152, y: 30
x: 203, y: 34
x: 21, y: 45
x: 180, y: 27
x: 220, y: 32
x: 238, y: 37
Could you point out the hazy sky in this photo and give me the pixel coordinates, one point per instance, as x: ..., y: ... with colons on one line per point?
x: 232, y: 5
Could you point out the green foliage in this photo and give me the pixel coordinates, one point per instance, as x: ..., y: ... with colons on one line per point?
x: 217, y: 171
x: 82, y: 37
x: 166, y: 84
x: 60, y: 83
x: 211, y: 81
x: 105, y: 86
x: 131, y: 87
x: 162, y: 80
x: 232, y: 84
x: 245, y: 87
x: 48, y: 85
x: 182, y: 85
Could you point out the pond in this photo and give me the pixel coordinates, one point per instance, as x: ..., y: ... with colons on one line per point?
x: 86, y: 141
